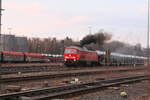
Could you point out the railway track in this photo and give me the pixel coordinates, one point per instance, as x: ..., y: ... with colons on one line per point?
x: 63, y: 74
x: 14, y: 70
x: 71, y: 90
x: 28, y: 69
x: 6, y: 70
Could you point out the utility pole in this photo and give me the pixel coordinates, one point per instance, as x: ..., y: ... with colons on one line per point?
x: 0, y: 36
x: 1, y: 24
x: 0, y: 16
x: 148, y: 36
x: 1, y: 9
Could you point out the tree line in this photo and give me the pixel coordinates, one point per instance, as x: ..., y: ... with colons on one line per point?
x: 98, y: 41
x: 49, y: 45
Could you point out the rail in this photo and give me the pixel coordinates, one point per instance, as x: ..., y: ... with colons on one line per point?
x: 59, y: 75
x: 71, y: 89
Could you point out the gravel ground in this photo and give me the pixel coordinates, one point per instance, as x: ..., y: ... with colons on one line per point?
x: 136, y: 91
x: 29, y: 85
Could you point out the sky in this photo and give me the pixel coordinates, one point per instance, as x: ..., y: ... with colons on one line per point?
x: 126, y: 20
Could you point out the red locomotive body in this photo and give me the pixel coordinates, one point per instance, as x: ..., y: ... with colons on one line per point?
x: 79, y: 56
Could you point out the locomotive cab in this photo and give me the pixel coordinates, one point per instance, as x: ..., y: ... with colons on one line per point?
x: 70, y: 56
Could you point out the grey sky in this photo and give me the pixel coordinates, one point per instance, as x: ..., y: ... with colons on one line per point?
x: 125, y: 19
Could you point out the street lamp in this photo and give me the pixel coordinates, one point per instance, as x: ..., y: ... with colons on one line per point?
x: 9, y: 29
x: 90, y: 30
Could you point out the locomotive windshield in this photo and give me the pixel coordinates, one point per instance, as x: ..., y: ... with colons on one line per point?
x: 70, y: 51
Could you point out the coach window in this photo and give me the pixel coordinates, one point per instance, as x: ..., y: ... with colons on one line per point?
x: 67, y: 51
x: 74, y: 51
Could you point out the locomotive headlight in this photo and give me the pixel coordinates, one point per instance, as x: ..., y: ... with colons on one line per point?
x: 65, y: 59
x: 74, y: 59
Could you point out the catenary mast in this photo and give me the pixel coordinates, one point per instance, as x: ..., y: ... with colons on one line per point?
x: 148, y: 36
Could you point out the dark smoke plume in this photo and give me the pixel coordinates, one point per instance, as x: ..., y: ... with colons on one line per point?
x: 98, y: 38
x: 88, y: 40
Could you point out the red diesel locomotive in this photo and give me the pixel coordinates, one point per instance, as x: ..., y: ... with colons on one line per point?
x: 74, y: 55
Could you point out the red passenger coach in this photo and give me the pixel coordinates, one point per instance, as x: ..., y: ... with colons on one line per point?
x: 34, y: 57
x: 11, y: 56
x: 74, y: 55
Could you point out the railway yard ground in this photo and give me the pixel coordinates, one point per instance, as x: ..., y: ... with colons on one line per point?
x: 136, y: 91
x: 56, y: 75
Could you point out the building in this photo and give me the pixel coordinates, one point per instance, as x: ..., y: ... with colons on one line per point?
x: 22, y: 44
x: 13, y: 43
